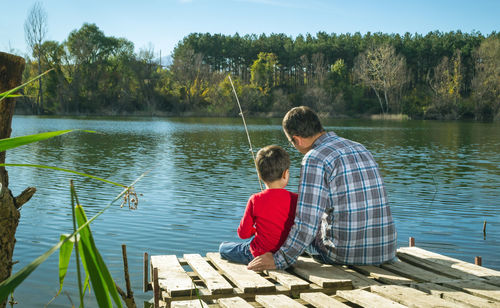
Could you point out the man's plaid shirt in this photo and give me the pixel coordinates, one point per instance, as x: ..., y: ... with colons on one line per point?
x: 342, y: 206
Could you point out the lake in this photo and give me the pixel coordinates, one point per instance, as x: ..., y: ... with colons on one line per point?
x: 443, y: 181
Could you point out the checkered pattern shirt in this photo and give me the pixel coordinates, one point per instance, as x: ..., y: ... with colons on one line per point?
x: 342, y: 206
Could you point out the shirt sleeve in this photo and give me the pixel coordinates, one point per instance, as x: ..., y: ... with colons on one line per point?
x: 310, y: 206
x: 246, y: 228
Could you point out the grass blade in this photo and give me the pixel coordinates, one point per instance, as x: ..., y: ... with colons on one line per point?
x: 102, y: 282
x: 64, y: 257
x: 8, y: 93
x: 9, y: 143
x: 65, y: 170
x: 13, y: 95
x: 100, y: 289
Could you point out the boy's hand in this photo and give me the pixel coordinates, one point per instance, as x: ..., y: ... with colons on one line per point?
x: 262, y: 262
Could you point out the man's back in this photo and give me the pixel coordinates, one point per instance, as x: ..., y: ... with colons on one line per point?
x: 357, y: 227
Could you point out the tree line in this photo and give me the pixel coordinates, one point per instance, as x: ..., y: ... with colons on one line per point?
x: 451, y: 75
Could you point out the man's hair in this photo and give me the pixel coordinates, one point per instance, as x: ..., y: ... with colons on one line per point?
x: 271, y: 162
x: 302, y: 121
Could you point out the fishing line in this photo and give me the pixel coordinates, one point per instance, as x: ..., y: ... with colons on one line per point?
x: 246, y: 130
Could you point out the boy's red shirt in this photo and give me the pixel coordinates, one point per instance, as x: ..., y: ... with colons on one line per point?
x: 269, y: 215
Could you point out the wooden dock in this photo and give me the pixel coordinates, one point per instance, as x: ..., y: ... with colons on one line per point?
x: 419, y: 278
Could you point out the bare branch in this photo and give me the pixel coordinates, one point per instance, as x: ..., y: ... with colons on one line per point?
x: 24, y: 197
x: 35, y: 26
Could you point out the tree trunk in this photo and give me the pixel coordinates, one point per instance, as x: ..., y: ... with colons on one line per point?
x: 379, y: 99
x: 11, y: 69
x: 40, y: 87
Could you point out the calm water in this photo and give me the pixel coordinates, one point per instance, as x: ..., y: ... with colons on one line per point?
x: 443, y: 180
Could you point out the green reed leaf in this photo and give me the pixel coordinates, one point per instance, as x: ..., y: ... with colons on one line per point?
x: 64, y: 257
x: 65, y: 170
x: 9, y: 143
x: 9, y: 92
x: 102, y: 282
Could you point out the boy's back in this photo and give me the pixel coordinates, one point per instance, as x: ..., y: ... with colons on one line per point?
x: 272, y: 212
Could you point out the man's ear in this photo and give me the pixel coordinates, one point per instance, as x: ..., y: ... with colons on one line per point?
x: 297, y: 140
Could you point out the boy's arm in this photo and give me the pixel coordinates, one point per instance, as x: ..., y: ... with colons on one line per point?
x: 246, y: 228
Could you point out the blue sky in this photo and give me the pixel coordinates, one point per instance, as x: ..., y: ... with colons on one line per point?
x: 162, y: 24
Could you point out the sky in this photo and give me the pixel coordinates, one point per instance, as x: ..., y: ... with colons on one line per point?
x: 161, y: 24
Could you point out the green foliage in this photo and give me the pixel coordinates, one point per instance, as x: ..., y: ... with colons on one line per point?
x: 263, y: 71
x: 95, y: 73
x: 486, y: 82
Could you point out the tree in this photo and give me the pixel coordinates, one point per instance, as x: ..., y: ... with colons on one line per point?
x: 263, y: 71
x: 338, y: 85
x: 446, y: 84
x: 486, y: 82
x: 11, y: 68
x: 384, y: 72
x: 191, y: 76
x: 35, y: 29
x: 55, y: 83
x: 94, y: 78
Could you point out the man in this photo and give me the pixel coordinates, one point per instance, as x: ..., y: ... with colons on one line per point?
x: 343, y: 215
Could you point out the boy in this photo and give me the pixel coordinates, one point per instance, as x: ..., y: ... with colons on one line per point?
x: 269, y: 214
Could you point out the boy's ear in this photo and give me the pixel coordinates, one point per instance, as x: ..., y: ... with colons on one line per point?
x: 285, y: 173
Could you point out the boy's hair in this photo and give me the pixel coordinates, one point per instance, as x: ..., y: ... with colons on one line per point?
x: 302, y: 121
x: 271, y: 162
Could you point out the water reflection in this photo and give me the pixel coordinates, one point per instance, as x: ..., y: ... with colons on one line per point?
x: 442, y: 179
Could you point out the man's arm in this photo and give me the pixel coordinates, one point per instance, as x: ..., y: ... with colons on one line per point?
x: 310, y: 206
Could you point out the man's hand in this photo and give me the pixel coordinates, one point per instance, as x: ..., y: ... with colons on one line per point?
x: 262, y: 262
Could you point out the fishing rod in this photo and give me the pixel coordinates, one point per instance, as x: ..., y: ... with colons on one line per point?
x: 246, y: 130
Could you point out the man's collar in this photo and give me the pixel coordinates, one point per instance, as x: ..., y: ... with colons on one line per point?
x: 321, y: 138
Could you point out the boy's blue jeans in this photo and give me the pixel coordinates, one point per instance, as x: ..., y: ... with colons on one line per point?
x: 240, y: 253
x: 236, y: 252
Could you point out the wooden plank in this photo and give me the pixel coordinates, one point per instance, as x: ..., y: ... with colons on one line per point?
x: 360, y: 281
x: 448, y: 261
x: 411, y: 297
x: 288, y: 280
x: 430, y: 264
x: 453, y: 296
x: 413, y: 272
x: 195, y: 303
x: 171, y: 275
x: 477, y: 288
x: 233, y: 302
x: 213, y: 280
x: 367, y: 299
x: 248, y: 281
x: 382, y: 275
x: 324, y: 275
x: 277, y: 301
x: 491, y: 276
x: 321, y: 300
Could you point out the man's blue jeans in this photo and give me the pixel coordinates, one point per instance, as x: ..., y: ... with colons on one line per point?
x: 236, y: 252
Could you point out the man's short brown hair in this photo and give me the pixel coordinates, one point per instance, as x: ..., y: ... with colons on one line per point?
x: 271, y: 162
x: 302, y: 121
